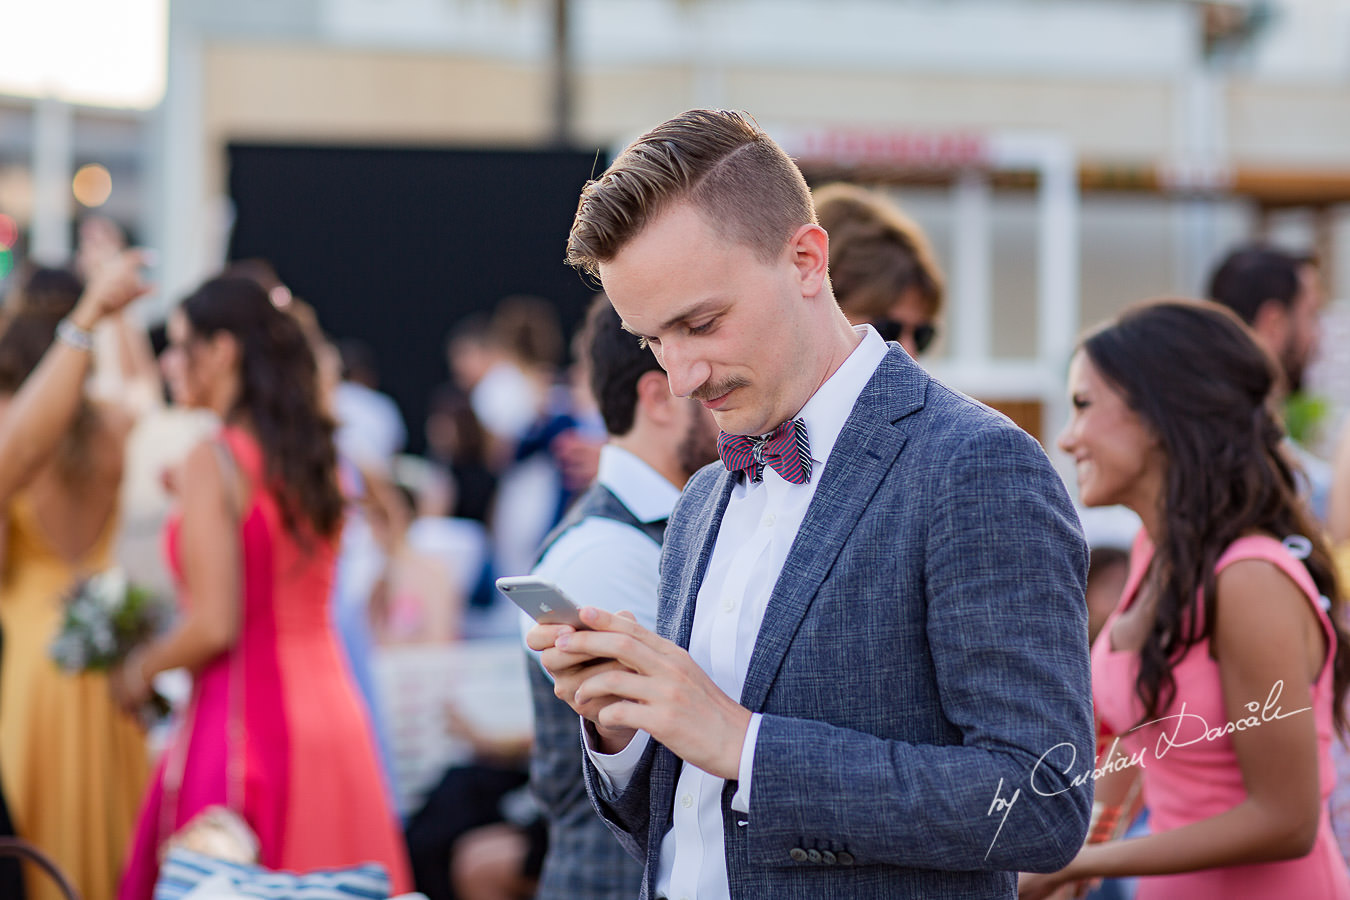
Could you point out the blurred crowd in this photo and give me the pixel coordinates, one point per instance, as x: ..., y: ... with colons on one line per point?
x: 336, y: 603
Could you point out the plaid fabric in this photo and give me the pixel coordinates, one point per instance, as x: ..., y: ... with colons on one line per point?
x: 584, y: 861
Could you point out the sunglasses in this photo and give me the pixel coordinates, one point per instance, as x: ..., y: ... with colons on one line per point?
x: 891, y: 330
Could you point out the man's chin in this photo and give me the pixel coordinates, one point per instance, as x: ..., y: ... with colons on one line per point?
x: 740, y: 421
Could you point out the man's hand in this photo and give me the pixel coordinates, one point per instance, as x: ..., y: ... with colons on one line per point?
x: 578, y: 457
x: 651, y: 684
x: 569, y: 670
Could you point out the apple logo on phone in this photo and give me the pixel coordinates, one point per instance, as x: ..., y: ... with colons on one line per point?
x: 545, y: 608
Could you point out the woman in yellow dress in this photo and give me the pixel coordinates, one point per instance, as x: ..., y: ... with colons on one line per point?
x: 73, y: 766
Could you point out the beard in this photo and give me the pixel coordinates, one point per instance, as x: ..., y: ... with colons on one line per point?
x: 698, y: 445
x: 1295, y: 365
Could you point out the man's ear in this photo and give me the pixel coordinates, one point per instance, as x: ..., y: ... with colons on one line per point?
x: 655, y: 401
x: 810, y: 250
x: 1271, y: 323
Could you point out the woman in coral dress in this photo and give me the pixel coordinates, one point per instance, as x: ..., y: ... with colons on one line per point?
x: 1220, y: 677
x: 275, y: 728
x: 73, y: 766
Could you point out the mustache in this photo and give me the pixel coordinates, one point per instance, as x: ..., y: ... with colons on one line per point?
x: 711, y: 390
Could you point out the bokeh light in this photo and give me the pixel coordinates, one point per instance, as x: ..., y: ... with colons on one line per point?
x: 9, y: 232
x: 92, y: 185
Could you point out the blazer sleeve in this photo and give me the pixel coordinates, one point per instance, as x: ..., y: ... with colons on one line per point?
x: 628, y: 814
x: 1005, y: 571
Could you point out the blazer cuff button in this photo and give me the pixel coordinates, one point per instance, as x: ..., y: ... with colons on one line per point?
x: 845, y: 858
x: 828, y: 858
x: 797, y: 854
x: 813, y: 856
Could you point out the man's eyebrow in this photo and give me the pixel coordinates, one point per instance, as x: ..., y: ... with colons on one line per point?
x: 693, y: 312
x: 698, y: 309
x: 701, y: 308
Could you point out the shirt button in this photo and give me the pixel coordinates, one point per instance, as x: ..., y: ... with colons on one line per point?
x: 728, y: 605
x: 687, y: 801
x: 768, y: 520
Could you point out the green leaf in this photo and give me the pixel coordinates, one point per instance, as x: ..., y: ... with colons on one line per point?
x: 1304, y: 414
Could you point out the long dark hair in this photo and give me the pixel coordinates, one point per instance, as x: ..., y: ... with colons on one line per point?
x: 279, y: 395
x: 1201, y: 383
x: 26, y: 333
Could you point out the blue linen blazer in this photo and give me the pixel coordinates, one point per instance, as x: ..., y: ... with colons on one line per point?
x: 924, y: 652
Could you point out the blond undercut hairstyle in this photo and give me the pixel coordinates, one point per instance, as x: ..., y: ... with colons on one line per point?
x: 720, y: 161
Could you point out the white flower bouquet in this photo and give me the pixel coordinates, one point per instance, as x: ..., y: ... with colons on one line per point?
x: 106, y: 617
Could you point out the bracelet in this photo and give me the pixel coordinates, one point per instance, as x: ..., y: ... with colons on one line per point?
x: 72, y: 335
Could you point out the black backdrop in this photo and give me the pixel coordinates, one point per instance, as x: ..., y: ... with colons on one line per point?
x: 394, y: 246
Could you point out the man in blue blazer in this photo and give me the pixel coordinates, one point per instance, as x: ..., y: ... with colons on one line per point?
x: 870, y: 674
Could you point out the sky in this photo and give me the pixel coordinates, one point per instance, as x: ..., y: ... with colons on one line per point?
x: 101, y: 52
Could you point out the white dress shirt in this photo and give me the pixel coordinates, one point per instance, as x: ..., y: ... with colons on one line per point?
x: 758, y: 528
x: 603, y: 563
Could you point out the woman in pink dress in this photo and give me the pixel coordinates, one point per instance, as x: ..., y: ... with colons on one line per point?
x: 1220, y: 676
x: 275, y: 730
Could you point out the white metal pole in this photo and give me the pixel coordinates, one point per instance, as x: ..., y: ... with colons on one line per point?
x: 53, y: 167
x: 181, y: 235
x: 1057, y: 278
x: 1200, y: 159
x: 971, y: 327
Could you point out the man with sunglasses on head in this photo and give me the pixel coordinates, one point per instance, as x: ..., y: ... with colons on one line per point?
x: 881, y: 265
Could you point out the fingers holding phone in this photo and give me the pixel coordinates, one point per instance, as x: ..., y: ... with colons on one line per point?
x: 552, y: 610
x: 555, y: 615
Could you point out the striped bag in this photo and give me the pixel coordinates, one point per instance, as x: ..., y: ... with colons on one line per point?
x: 183, y: 871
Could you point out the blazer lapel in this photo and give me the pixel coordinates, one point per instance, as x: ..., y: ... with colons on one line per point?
x: 679, y: 624
x: 862, y: 455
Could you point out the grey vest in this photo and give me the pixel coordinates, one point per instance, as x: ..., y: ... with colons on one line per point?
x: 585, y: 860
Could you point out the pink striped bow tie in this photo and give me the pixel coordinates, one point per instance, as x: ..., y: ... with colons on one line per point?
x: 785, y: 449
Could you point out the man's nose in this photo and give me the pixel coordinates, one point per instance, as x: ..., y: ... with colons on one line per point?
x: 685, y: 370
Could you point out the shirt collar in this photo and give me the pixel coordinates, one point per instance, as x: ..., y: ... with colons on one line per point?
x: 831, y: 404
x: 647, y: 494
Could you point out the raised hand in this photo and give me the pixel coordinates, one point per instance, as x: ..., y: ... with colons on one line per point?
x: 115, y: 283
x: 100, y: 239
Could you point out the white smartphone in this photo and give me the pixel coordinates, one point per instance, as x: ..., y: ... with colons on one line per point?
x: 541, y: 599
